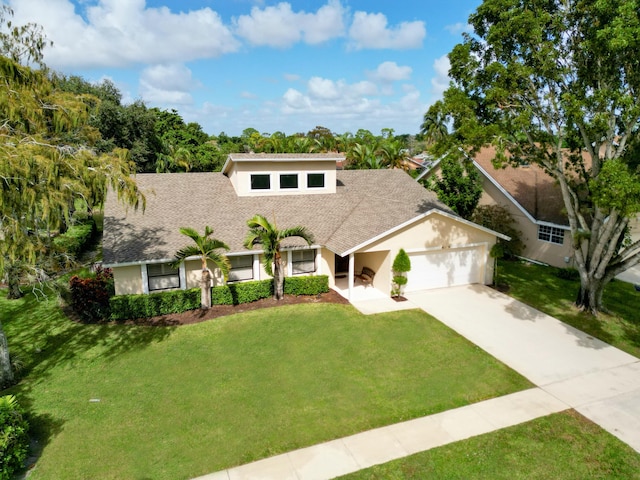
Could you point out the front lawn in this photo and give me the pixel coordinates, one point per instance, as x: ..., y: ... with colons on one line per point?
x: 562, y: 446
x: 537, y: 286
x: 123, y: 402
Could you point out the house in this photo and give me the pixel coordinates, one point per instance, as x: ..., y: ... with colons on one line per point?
x: 359, y: 218
x: 535, y: 201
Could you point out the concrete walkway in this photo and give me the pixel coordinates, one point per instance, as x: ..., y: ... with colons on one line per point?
x: 570, y: 368
x: 598, y: 380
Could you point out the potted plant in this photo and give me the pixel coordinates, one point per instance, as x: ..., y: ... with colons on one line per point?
x: 401, y: 265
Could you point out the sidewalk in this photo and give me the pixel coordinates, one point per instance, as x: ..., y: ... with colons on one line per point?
x: 350, y: 454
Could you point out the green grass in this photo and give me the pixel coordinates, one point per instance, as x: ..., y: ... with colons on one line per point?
x: 181, y: 402
x: 537, y: 286
x: 561, y: 446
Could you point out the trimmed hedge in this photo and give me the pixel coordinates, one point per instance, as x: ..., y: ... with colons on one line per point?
x: 76, y: 238
x: 125, y: 307
x: 312, y: 285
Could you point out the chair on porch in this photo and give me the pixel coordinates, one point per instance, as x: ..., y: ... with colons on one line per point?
x: 366, y: 276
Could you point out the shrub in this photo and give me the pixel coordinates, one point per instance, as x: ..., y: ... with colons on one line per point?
x: 312, y: 285
x: 124, y: 307
x: 90, y: 296
x: 401, y: 265
x: 498, y: 218
x: 14, y: 437
x: 567, y: 273
x: 75, y: 239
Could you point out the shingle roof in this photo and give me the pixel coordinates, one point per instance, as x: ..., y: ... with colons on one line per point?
x: 366, y: 204
x: 536, y: 191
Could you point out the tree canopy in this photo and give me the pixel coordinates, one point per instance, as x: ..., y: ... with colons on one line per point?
x: 556, y: 83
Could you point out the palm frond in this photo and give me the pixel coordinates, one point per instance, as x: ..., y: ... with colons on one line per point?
x: 301, y: 232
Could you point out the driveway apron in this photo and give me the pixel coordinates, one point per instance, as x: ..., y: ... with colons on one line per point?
x: 596, y: 379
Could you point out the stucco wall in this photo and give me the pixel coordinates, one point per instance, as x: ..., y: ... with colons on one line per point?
x: 434, y: 231
x: 327, y: 265
x: 539, y: 250
x: 240, y: 176
x: 127, y: 280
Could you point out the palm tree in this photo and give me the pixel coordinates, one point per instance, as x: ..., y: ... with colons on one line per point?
x: 207, y: 249
x: 262, y: 232
x: 434, y: 125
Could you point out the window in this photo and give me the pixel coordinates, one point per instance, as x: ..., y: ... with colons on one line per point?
x: 551, y: 234
x: 303, y: 261
x: 241, y: 268
x: 260, y: 182
x: 162, y: 276
x: 315, y: 180
x: 289, y: 180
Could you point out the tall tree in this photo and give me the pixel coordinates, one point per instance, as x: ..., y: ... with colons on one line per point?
x: 459, y: 185
x: 262, y: 232
x: 556, y: 83
x: 208, y: 249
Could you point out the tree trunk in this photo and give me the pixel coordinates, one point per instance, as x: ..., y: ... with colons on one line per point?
x: 205, y: 289
x: 590, y: 295
x: 6, y: 373
x: 278, y: 278
x: 13, y: 280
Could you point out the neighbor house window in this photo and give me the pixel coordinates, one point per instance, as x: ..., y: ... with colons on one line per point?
x: 162, y: 276
x: 315, y: 180
x: 241, y: 268
x: 289, y: 180
x: 303, y: 261
x: 551, y: 234
x: 260, y: 182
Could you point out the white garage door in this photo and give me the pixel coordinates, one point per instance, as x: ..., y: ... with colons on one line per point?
x: 445, y: 268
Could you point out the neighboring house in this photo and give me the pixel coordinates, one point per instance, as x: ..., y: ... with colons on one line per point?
x: 359, y: 218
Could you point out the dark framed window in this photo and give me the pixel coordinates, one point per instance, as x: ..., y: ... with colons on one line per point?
x: 161, y: 276
x: 241, y: 268
x: 303, y: 261
x: 260, y: 182
x: 315, y: 180
x: 550, y: 234
x: 289, y: 180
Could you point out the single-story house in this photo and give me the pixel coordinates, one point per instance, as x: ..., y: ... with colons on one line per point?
x: 359, y: 218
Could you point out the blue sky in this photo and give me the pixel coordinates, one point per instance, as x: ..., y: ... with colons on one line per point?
x: 269, y: 65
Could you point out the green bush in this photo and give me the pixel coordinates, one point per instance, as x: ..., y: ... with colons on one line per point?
x: 74, y: 241
x: 125, y: 307
x: 567, y: 273
x: 14, y: 437
x: 312, y: 285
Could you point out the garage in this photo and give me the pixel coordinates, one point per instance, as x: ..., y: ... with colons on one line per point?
x: 445, y: 268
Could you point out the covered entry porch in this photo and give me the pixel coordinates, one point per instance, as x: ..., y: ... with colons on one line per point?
x: 349, y: 282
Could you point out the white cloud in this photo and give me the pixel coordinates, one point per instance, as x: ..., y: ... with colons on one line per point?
x: 118, y: 33
x: 391, y: 72
x: 440, y: 82
x: 281, y: 27
x: 458, y: 28
x: 370, y: 30
x: 167, y: 85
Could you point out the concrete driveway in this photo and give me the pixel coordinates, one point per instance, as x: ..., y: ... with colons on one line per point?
x: 596, y: 379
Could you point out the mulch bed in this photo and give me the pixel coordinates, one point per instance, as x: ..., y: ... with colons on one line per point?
x: 196, y: 316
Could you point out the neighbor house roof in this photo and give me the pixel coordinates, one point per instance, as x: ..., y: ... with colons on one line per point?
x: 367, y: 203
x: 533, y: 189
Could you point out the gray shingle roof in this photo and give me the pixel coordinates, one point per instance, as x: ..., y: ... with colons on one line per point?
x: 367, y: 203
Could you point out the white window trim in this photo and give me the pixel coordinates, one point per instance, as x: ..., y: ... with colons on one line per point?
x: 182, y: 275
x: 290, y: 262
x: 297, y: 189
x: 253, y: 266
x: 553, y: 232
x: 269, y: 174
x: 315, y: 189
